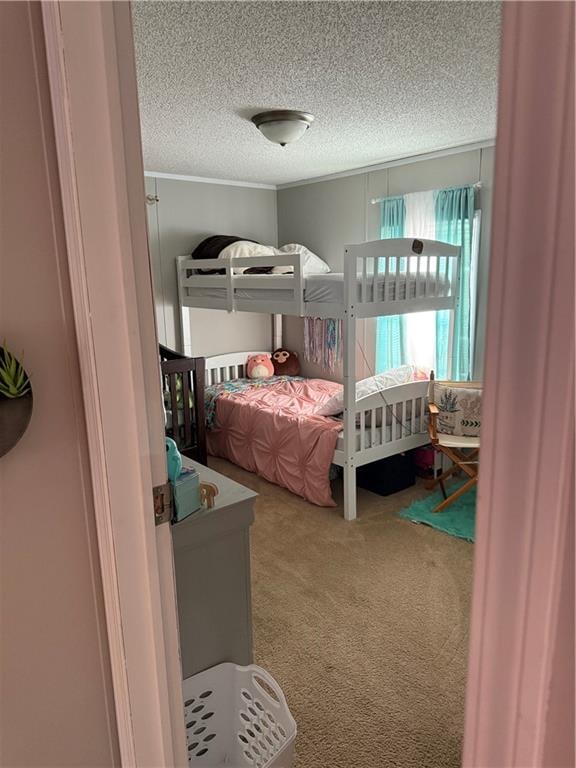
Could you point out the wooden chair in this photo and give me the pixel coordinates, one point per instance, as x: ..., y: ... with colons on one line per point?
x: 462, y: 450
x: 184, y: 381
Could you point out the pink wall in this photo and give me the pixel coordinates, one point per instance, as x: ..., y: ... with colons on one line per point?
x: 56, y: 691
x: 559, y: 747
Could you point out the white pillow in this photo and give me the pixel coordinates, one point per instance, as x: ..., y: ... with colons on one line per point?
x: 286, y: 270
x: 244, y: 249
x: 312, y: 264
x: 373, y: 384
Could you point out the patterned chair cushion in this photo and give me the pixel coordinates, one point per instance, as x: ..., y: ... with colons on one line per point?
x: 460, y: 409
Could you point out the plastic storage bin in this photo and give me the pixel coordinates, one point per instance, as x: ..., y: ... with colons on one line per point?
x: 236, y: 717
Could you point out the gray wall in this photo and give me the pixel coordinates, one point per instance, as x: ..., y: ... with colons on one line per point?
x: 185, y: 214
x: 327, y: 215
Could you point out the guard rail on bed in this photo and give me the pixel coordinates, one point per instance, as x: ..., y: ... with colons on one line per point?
x: 230, y: 285
x: 386, y: 423
x: 398, y: 276
x: 221, y: 368
x: 382, y: 277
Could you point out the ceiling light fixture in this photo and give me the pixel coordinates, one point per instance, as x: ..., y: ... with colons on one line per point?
x: 282, y: 126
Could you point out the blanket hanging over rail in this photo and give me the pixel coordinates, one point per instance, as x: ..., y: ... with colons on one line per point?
x: 323, y: 342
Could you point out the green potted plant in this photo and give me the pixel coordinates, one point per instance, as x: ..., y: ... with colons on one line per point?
x: 15, y: 400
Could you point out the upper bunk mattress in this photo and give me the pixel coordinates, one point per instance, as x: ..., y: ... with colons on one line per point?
x: 329, y: 289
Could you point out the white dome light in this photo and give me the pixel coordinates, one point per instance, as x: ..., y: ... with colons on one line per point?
x: 282, y: 126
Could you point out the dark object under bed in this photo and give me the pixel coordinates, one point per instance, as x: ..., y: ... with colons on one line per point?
x: 389, y: 475
x: 184, y: 380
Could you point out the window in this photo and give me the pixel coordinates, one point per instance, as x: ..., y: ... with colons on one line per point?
x: 421, y: 338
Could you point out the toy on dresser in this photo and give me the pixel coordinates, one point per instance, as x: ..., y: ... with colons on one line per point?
x: 207, y: 493
x: 173, y: 460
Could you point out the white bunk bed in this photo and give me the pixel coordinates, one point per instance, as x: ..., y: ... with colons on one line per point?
x: 382, y: 277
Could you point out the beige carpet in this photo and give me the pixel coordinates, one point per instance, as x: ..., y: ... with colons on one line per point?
x: 364, y: 625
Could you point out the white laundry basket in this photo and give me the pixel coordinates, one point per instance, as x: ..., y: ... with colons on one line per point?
x: 237, y: 717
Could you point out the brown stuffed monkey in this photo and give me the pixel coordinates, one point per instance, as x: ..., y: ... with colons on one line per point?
x: 285, y: 363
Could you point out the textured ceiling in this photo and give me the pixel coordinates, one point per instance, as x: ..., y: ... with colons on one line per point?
x: 383, y: 79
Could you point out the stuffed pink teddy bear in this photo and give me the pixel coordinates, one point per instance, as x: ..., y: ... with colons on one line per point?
x: 259, y: 367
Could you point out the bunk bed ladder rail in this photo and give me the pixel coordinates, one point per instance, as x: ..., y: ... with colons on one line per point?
x: 386, y: 277
x: 184, y: 313
x: 393, y: 278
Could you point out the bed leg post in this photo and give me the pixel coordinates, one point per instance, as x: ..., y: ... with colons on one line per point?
x: 184, y: 344
x: 349, y: 492
x: 349, y: 382
x: 276, y: 332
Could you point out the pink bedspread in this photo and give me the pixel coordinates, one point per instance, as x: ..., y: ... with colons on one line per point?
x: 273, y: 431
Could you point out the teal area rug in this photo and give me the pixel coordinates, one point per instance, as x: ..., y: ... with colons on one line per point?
x: 457, y: 520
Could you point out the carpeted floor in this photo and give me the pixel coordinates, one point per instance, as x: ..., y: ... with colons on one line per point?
x: 364, y: 625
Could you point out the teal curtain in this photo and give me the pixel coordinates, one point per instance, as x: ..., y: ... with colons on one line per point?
x: 454, y: 209
x: 390, y: 331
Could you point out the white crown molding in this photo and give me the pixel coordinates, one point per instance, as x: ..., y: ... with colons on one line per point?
x: 404, y: 160
x: 205, y: 180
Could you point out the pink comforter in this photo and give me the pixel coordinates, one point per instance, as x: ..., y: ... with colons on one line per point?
x: 273, y: 431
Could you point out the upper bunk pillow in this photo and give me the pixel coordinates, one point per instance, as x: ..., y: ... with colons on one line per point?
x: 367, y: 387
x: 312, y: 264
x: 211, y: 248
x: 245, y: 249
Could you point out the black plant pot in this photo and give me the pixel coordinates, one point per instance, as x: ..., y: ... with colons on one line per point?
x: 15, y: 416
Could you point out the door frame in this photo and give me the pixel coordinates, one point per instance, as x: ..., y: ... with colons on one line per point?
x: 93, y: 90
x: 523, y: 553
x: 519, y: 555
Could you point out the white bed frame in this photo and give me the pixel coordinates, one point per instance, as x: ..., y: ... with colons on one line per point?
x: 390, y: 422
x: 365, y: 266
